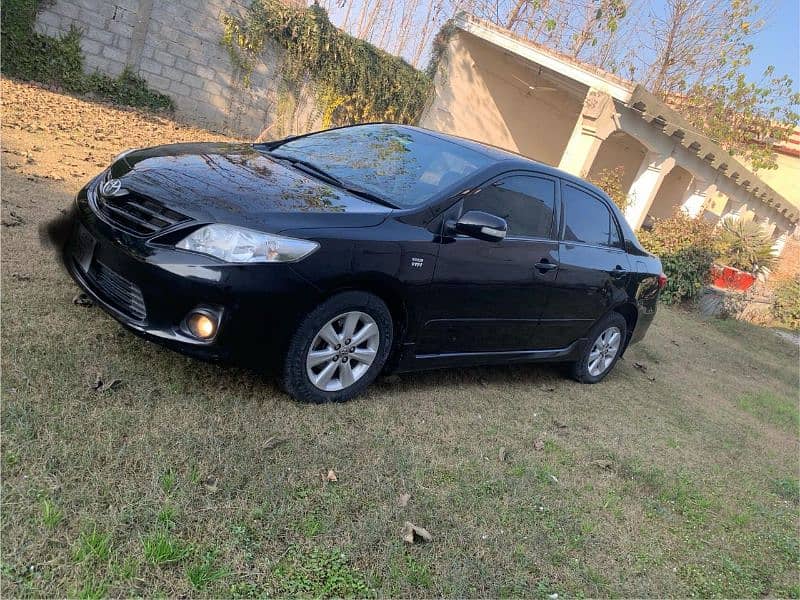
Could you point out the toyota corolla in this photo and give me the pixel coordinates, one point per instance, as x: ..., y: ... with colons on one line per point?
x: 331, y: 257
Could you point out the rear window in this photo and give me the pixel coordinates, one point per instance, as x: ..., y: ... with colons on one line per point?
x: 405, y: 166
x: 588, y: 219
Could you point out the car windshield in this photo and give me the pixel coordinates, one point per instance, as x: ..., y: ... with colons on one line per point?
x: 405, y: 166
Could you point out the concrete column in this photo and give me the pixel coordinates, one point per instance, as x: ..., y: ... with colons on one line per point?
x: 645, y: 186
x: 696, y: 197
x: 780, y: 243
x: 139, y: 35
x: 768, y: 225
x: 597, y: 120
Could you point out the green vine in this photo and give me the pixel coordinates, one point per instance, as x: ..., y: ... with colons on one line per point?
x: 355, y: 81
x: 30, y: 55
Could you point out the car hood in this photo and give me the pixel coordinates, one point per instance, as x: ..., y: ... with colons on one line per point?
x: 236, y: 184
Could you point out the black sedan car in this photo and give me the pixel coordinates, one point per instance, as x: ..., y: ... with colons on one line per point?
x: 330, y: 257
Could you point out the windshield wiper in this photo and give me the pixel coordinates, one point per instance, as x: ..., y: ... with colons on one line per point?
x: 313, y: 169
x: 368, y: 195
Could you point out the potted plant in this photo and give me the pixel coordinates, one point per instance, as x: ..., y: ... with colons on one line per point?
x: 746, y: 253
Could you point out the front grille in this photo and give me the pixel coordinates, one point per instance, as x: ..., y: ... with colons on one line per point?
x: 135, y: 213
x: 123, y: 295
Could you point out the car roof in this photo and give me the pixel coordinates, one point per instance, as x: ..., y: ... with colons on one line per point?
x: 510, y: 160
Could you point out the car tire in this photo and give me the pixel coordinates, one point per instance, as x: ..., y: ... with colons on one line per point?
x: 317, y: 370
x: 605, y: 343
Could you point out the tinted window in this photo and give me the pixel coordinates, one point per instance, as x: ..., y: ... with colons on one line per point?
x: 405, y: 166
x: 588, y: 219
x: 526, y: 203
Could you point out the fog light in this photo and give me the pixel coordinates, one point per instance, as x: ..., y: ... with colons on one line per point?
x: 202, y: 325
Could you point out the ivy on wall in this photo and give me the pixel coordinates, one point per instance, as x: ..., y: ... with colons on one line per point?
x: 355, y: 81
x: 30, y: 55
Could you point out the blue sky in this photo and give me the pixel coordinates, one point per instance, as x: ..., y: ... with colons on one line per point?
x: 779, y: 42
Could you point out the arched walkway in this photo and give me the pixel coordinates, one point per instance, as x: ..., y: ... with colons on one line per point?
x: 671, y: 194
x: 619, y: 150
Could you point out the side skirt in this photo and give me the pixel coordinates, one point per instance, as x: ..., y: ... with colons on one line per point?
x: 413, y: 362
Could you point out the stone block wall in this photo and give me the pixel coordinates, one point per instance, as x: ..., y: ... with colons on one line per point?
x: 175, y: 46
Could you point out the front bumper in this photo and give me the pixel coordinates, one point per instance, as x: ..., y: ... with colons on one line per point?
x: 150, y: 288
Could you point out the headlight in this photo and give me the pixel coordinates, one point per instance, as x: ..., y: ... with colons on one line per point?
x: 239, y: 245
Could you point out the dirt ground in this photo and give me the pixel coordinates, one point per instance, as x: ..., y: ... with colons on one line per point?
x: 677, y: 476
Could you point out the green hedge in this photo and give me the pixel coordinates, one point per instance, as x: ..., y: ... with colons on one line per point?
x: 33, y: 56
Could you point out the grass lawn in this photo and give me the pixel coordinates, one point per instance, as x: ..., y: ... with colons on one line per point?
x: 187, y: 479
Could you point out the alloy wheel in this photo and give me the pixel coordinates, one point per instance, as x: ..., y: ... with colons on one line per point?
x: 604, y: 351
x: 342, y: 351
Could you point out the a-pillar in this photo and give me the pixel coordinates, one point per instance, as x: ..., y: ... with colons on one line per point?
x: 645, y: 186
x: 697, y: 196
x: 597, y: 120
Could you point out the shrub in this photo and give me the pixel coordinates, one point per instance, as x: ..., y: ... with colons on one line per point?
x: 610, y: 181
x: 687, y: 248
x: 746, y: 246
x: 786, y: 304
x: 687, y: 271
x: 59, y: 61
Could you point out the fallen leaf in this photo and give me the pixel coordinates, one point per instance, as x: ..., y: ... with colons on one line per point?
x: 503, y: 454
x: 273, y: 442
x: 14, y: 220
x: 402, y: 501
x: 538, y: 445
x: 413, y: 534
x: 640, y: 366
x: 101, y: 386
x: 331, y: 475
x: 82, y: 300
x: 603, y: 463
x: 553, y: 478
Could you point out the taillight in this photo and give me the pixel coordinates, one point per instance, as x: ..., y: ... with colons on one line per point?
x: 662, y: 281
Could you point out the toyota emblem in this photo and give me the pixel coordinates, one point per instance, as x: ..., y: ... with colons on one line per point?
x: 112, y: 188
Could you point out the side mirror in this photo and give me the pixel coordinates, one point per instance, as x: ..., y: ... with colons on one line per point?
x: 481, y: 226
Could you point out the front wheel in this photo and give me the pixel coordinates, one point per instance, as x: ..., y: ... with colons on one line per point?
x: 339, y: 348
x: 606, y: 341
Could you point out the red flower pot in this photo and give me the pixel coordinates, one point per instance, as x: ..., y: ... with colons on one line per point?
x: 728, y: 278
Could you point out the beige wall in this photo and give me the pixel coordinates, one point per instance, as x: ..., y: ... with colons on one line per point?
x: 484, y: 95
x: 785, y: 179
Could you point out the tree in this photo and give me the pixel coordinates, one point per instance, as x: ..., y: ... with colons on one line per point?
x: 700, y: 51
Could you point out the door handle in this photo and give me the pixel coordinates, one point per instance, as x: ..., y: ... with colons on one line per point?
x: 544, y: 266
x: 619, y: 271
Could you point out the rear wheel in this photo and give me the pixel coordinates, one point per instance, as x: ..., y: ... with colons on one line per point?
x: 602, y: 351
x: 339, y: 348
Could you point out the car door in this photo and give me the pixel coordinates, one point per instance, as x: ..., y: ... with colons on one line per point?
x: 488, y: 296
x: 593, y: 270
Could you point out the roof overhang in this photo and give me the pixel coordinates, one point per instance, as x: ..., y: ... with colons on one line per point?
x: 656, y: 112
x: 576, y: 71
x: 652, y: 109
